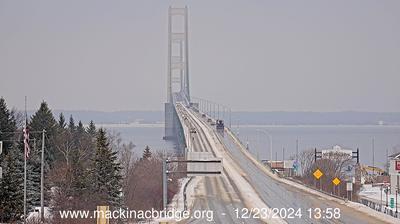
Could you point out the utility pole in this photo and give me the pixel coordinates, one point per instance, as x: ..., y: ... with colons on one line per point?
x: 381, y: 197
x: 223, y: 113
x: 42, y: 179
x: 270, y: 145
x: 208, y: 108
x: 373, y: 157
x: 218, y: 111
x: 214, y: 110
x: 387, y: 161
x: 283, y: 154
x: 297, y: 150
x: 230, y: 118
x: 397, y: 191
x: 25, y: 151
x: 387, y: 196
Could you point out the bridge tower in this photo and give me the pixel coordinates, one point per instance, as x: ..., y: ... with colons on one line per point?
x: 178, y: 67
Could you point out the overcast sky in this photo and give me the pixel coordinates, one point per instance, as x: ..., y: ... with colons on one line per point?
x: 251, y: 55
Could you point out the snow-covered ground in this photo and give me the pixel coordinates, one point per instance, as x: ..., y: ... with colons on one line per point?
x: 35, y: 214
x: 178, y: 201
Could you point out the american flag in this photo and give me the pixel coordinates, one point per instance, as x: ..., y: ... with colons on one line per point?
x: 26, y: 142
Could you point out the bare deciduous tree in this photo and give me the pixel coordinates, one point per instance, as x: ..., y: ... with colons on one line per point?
x: 306, y: 160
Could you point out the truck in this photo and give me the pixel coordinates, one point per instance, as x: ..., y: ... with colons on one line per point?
x: 220, y: 125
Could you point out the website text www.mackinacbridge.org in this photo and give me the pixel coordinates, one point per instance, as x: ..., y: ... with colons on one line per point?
x: 152, y: 214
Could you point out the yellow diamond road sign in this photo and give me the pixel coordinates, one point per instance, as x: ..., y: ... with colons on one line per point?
x: 318, y: 174
x: 336, y: 181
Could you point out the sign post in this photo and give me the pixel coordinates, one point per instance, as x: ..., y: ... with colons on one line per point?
x: 391, y: 202
x: 198, y: 164
x: 317, y: 175
x: 336, y: 181
x: 349, y: 188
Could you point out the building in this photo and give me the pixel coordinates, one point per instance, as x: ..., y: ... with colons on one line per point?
x: 285, y: 167
x: 335, y: 150
x: 394, y: 172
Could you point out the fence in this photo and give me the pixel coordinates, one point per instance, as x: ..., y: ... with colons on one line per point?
x: 379, y: 207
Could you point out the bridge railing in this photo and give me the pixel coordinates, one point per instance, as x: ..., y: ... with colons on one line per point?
x: 213, y: 110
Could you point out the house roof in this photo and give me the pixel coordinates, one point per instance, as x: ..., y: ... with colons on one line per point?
x: 395, y: 156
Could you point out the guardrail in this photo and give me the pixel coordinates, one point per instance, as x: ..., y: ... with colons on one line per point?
x: 379, y: 207
x: 184, y: 194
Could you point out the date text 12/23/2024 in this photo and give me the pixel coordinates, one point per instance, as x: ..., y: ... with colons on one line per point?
x: 287, y: 213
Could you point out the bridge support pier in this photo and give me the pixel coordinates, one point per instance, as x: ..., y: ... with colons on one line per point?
x: 169, y: 121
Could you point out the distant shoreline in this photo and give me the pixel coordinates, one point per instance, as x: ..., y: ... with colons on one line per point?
x: 161, y: 125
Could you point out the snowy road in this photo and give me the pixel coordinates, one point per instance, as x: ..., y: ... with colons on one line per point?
x: 243, y: 179
x: 219, y: 193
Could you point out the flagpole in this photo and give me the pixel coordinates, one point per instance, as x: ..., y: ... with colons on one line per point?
x: 26, y: 121
x: 41, y: 181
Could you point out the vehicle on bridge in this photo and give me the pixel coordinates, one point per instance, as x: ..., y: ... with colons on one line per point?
x: 220, y: 125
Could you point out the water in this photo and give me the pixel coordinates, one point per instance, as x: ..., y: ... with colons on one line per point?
x: 309, y: 137
x: 143, y: 135
x: 321, y: 137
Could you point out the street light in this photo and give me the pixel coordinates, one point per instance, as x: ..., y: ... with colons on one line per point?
x: 270, y: 140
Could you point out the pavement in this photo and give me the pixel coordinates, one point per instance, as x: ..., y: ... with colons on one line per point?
x: 244, y: 185
x: 216, y: 193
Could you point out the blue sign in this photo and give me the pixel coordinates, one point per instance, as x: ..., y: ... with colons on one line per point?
x: 295, y: 165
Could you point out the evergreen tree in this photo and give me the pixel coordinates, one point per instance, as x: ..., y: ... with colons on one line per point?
x: 61, y: 121
x: 7, y: 127
x: 43, y: 119
x: 79, y: 180
x: 91, y: 130
x: 12, y: 186
x: 107, y: 180
x: 80, y: 129
x: 146, y: 153
x: 33, y: 182
x: 71, y: 125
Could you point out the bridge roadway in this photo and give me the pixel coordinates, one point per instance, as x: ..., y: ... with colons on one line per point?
x: 218, y: 193
x: 222, y: 195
